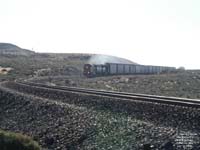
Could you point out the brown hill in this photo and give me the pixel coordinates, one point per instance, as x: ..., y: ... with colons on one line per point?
x: 11, y: 49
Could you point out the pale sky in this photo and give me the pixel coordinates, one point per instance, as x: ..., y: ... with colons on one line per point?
x: 152, y: 32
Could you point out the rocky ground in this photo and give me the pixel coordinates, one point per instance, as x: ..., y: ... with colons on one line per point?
x: 54, y: 125
x: 181, y: 84
x: 60, y: 120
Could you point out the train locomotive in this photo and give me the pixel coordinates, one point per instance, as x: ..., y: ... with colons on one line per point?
x: 93, y: 70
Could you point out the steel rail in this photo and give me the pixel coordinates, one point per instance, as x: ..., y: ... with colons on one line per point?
x: 132, y: 96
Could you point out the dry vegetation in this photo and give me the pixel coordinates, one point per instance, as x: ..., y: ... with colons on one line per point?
x: 16, y: 141
x: 181, y: 84
x: 42, y: 65
x: 54, y: 125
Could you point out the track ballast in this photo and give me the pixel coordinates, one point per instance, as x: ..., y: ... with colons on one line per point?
x: 131, y: 96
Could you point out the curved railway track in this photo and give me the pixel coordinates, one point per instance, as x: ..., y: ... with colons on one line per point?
x: 131, y: 96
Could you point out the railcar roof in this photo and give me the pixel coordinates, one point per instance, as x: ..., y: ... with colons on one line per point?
x: 127, y: 64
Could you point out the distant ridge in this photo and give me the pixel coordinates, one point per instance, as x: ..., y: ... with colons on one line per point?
x: 11, y: 49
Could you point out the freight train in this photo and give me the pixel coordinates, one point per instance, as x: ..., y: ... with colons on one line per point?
x: 90, y: 70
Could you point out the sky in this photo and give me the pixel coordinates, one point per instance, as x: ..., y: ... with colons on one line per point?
x: 150, y: 32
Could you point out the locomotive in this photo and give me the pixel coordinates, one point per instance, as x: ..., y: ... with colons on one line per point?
x: 93, y: 70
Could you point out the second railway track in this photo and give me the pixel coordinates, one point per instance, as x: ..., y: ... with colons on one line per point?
x: 131, y: 96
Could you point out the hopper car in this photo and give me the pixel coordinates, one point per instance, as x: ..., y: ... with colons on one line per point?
x: 93, y: 70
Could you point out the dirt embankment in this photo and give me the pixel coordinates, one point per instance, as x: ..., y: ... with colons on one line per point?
x: 54, y: 125
x: 168, y: 115
x: 64, y: 120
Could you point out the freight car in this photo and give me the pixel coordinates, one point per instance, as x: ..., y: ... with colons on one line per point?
x: 90, y: 70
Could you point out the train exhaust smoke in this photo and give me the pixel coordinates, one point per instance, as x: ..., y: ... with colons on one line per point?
x: 102, y: 59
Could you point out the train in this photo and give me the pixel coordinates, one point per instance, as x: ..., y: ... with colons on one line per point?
x: 94, y: 70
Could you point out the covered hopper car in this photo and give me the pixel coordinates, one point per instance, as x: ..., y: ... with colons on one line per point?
x: 90, y: 70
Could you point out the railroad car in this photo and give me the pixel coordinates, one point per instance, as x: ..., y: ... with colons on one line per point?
x: 90, y: 70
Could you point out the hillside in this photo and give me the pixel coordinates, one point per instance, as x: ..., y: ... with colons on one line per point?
x: 11, y: 49
x: 25, y: 63
x: 42, y: 65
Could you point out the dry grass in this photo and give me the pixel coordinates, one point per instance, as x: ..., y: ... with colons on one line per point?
x: 16, y: 141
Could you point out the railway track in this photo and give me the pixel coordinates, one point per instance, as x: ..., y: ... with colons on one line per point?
x: 131, y: 96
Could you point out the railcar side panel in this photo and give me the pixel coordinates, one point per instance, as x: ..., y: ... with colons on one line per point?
x: 127, y: 69
x: 146, y: 69
x: 158, y: 69
x: 121, y: 68
x: 132, y: 69
x: 154, y: 69
x: 138, y: 69
x: 142, y: 69
x: 150, y: 70
x: 161, y: 69
x: 113, y: 68
x: 100, y: 70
